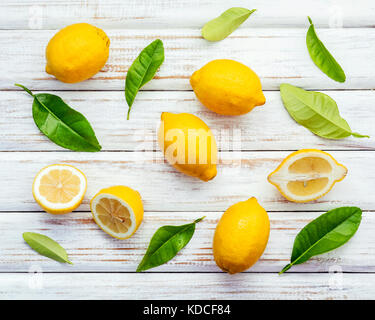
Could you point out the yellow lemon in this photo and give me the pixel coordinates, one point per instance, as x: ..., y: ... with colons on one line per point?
x: 188, y: 145
x: 59, y: 188
x: 77, y: 52
x: 118, y: 211
x: 241, y: 236
x: 307, y: 175
x: 227, y: 87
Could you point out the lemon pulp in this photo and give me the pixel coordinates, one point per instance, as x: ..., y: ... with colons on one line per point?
x: 113, y: 215
x: 59, y: 186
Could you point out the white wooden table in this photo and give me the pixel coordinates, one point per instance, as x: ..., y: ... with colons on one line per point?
x: 272, y: 42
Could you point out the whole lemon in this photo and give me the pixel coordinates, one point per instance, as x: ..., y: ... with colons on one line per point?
x: 241, y: 236
x: 77, y: 52
x: 188, y: 145
x: 227, y: 87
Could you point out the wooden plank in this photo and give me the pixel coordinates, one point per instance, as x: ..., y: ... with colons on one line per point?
x: 266, y: 128
x: 277, y: 55
x: 91, y: 250
x: 183, y: 13
x: 240, y: 176
x: 186, y: 286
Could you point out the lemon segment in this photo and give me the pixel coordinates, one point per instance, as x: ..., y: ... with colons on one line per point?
x: 241, y: 236
x: 307, y: 175
x: 59, y: 188
x: 118, y: 211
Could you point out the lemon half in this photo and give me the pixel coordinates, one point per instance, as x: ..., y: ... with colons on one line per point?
x: 307, y: 175
x: 118, y: 211
x: 59, y: 188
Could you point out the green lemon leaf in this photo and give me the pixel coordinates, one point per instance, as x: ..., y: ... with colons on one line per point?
x: 46, y: 246
x: 166, y: 243
x: 62, y: 124
x: 222, y: 26
x: 317, y: 112
x: 143, y: 70
x: 327, y: 232
x: 321, y: 56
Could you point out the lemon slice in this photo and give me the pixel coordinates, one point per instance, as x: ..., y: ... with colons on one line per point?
x: 118, y: 211
x: 59, y: 188
x: 307, y: 175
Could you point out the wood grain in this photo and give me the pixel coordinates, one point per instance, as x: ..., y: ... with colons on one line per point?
x: 91, y: 250
x: 334, y: 286
x: 266, y: 128
x: 276, y: 55
x: 35, y: 14
x: 240, y: 176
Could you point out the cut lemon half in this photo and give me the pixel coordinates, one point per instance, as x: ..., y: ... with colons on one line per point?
x: 59, y: 188
x: 118, y: 211
x: 307, y: 175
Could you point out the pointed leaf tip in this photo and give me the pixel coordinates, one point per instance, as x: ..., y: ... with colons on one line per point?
x: 200, y: 219
x: 24, y: 88
x: 286, y: 268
